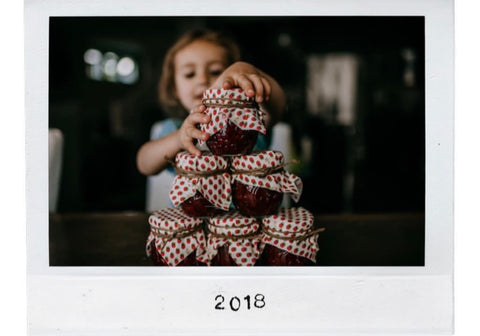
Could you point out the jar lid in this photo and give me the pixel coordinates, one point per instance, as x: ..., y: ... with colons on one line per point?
x: 239, y: 233
x: 207, y: 162
x: 263, y: 160
x: 265, y: 170
x: 234, y: 96
x: 233, y: 224
x: 205, y: 174
x: 295, y: 221
x: 172, y: 219
x: 224, y: 106
x: 175, y: 235
x: 291, y: 230
x: 231, y: 220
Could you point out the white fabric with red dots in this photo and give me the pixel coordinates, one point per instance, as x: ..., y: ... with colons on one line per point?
x: 282, y: 181
x: 232, y: 106
x: 215, y: 188
x: 287, y: 224
x: 166, y: 223
x: 207, y: 162
x: 245, y: 251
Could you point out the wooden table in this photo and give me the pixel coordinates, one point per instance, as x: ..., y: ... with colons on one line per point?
x: 118, y: 239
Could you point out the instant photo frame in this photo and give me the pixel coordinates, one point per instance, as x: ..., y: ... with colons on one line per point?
x: 72, y: 300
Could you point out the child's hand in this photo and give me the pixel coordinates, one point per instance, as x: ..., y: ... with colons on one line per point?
x: 246, y: 76
x: 189, y: 131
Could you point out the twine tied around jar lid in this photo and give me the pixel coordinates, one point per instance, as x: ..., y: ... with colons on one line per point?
x: 262, y: 172
x: 235, y: 103
x: 179, y: 233
x: 228, y: 98
x: 228, y: 108
x: 238, y: 235
x: 305, y: 234
x: 213, y: 102
x: 182, y: 172
x: 206, y: 175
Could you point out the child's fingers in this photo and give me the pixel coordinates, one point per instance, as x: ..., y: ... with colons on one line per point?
x: 198, y: 109
x: 197, y: 118
x: 228, y: 83
x: 258, y: 84
x: 266, y: 87
x: 195, y: 133
x: 190, y: 147
x: 246, y: 85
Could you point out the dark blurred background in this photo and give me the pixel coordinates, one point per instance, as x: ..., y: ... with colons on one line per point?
x: 356, y: 104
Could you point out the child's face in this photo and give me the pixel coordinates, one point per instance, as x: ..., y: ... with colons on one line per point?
x: 197, y: 66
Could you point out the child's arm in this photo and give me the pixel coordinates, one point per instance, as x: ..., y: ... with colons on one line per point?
x: 268, y: 93
x: 153, y: 156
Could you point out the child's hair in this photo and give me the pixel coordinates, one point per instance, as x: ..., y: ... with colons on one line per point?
x: 168, y: 98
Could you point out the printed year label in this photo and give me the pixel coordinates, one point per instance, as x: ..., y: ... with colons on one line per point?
x: 235, y: 303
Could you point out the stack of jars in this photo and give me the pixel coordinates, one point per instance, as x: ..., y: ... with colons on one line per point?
x: 227, y: 201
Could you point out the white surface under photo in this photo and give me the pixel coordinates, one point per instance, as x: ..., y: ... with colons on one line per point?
x: 255, y: 170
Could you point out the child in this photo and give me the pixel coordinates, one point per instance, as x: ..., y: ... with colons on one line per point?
x: 198, y: 61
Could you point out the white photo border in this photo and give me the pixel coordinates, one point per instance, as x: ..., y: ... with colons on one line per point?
x: 303, y: 301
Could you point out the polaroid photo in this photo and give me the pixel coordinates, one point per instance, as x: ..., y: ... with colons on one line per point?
x: 239, y: 169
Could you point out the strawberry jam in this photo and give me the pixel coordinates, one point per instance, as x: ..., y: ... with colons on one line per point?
x: 188, y: 261
x: 233, y: 240
x: 232, y: 140
x: 199, y: 206
x: 235, y: 121
x: 223, y: 258
x: 288, y: 238
x: 273, y: 256
x: 259, y: 182
x: 202, y: 187
x: 255, y: 201
x: 175, y: 238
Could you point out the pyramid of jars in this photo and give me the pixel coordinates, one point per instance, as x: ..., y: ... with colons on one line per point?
x: 227, y: 203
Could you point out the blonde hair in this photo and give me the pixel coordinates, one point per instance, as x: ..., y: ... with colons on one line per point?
x: 166, y: 88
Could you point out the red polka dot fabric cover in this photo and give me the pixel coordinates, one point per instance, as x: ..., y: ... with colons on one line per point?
x: 243, y: 250
x: 215, y: 188
x: 233, y: 108
x: 170, y: 222
x: 291, y: 223
x: 282, y: 181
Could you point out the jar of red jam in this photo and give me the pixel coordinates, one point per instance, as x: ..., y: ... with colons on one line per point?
x: 202, y: 185
x: 235, y: 121
x: 175, y: 239
x: 259, y: 182
x: 288, y: 238
x: 233, y: 240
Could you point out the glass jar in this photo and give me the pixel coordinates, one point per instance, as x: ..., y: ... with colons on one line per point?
x: 288, y: 238
x: 175, y: 239
x: 202, y: 185
x: 259, y: 182
x: 235, y: 121
x: 233, y: 240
